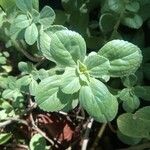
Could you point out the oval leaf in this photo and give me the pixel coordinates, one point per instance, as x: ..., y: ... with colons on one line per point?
x: 98, y: 101
x: 67, y: 47
x: 31, y: 34
x: 70, y: 81
x: 143, y: 92
x: 4, y: 137
x: 46, y: 94
x: 107, y: 22
x: 135, y: 125
x: 134, y: 21
x: 97, y: 65
x: 24, y: 5
x: 47, y: 16
x: 124, y: 57
x: 37, y: 142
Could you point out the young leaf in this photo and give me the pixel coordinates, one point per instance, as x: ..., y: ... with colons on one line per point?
x: 31, y: 34
x: 135, y: 125
x: 70, y: 81
x: 116, y: 5
x: 143, y: 92
x: 26, y: 68
x: 47, y: 16
x: 133, y: 6
x: 21, y: 21
x: 67, y: 47
x: 33, y: 87
x: 23, y: 81
x: 97, y: 65
x: 35, y: 4
x: 135, y: 21
x: 129, y: 81
x: 124, y: 57
x: 24, y: 5
x: 107, y: 22
x: 5, y: 137
x: 37, y: 142
x: 46, y: 95
x: 18, y: 24
x: 44, y: 44
x: 9, y: 94
x: 98, y: 101
x: 131, y: 104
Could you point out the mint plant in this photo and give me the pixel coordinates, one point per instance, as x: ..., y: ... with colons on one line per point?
x: 48, y: 69
x: 81, y: 74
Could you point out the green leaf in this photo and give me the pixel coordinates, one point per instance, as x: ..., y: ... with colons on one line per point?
x: 116, y: 5
x: 133, y: 6
x: 70, y: 81
x: 2, y: 16
x: 107, y: 22
x: 144, y: 12
x: 31, y: 34
x: 134, y: 21
x: 130, y: 100
x: 35, y: 16
x: 128, y: 140
x: 37, y: 142
x: 47, y: 92
x: 9, y: 94
x: 54, y: 28
x: 24, y: 5
x: 7, y: 5
x: 61, y: 17
x: 33, y: 87
x: 69, y: 5
x: 6, y: 110
x: 2, y: 60
x: 135, y: 125
x: 47, y: 16
x: 98, y: 101
x: 18, y: 24
x: 25, y: 67
x: 129, y: 81
x: 125, y: 58
x: 97, y: 65
x: 21, y: 22
x: 44, y: 44
x: 23, y: 81
x: 5, y: 137
x: 72, y: 103
x: 143, y: 92
x: 131, y: 104
x: 67, y: 47
x: 35, y: 4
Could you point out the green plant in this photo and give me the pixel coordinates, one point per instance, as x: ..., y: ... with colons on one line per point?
x: 61, y: 75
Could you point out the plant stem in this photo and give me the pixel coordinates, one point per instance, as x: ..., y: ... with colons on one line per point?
x: 11, y: 120
x: 112, y: 128
x: 87, y: 132
x: 19, y: 48
x: 100, y: 134
x: 66, y: 114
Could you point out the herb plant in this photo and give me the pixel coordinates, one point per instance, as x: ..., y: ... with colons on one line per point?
x: 57, y: 70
